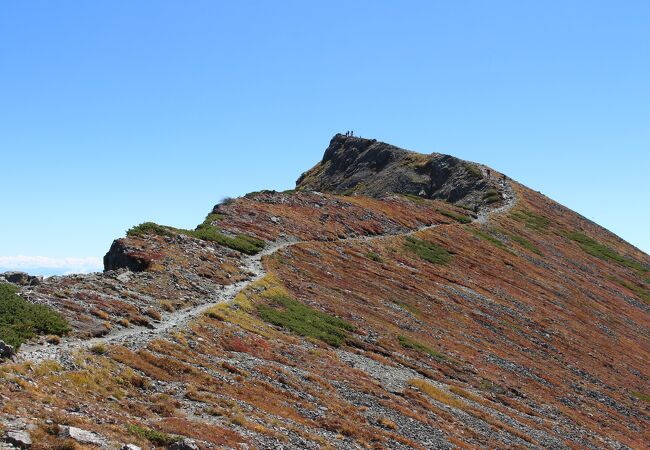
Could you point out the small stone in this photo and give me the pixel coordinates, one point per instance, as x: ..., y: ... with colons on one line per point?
x: 20, y: 439
x: 185, y: 444
x: 130, y: 447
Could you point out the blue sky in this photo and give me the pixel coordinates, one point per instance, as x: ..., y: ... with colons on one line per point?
x: 117, y: 112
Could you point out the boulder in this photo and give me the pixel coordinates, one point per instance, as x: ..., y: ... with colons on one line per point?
x: 81, y: 436
x: 21, y: 278
x: 20, y: 439
x: 16, y: 277
x: 122, y: 256
x: 6, y: 350
x: 184, y: 444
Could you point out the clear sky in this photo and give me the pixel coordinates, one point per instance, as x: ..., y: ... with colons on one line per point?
x: 117, y: 112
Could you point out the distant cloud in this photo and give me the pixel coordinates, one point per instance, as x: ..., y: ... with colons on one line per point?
x: 63, y: 265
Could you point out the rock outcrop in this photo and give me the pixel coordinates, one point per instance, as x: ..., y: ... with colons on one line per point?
x: 6, y: 350
x: 20, y: 278
x: 121, y: 255
x: 353, y: 165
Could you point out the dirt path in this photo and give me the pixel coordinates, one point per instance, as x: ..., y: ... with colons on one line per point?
x: 138, y: 337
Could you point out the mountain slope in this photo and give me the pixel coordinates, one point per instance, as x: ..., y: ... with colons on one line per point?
x: 388, y: 319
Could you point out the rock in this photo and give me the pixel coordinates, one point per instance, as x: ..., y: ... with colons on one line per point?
x: 124, y: 277
x: 352, y: 165
x: 185, y: 444
x: 6, y: 350
x: 21, y: 278
x: 81, y: 436
x: 121, y: 255
x: 20, y: 439
x: 130, y: 447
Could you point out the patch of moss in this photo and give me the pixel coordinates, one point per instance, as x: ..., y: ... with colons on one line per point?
x: 491, y: 196
x: 374, y: 257
x: 210, y: 219
x: 414, y: 198
x: 457, y: 217
x: 21, y: 320
x: 412, y: 309
x: 487, y: 237
x: 640, y: 291
x: 473, y: 170
x: 523, y: 242
x: 241, y: 242
x: 206, y: 232
x: 153, y: 436
x: 254, y: 194
x: 407, y: 342
x: 601, y: 251
x: 428, y: 251
x: 353, y: 189
x: 288, y: 313
x: 641, y: 396
x: 531, y: 220
x: 149, y: 228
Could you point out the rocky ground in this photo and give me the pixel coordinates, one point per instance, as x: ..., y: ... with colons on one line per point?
x: 393, y: 321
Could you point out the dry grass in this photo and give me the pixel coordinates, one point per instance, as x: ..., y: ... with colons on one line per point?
x: 437, y: 393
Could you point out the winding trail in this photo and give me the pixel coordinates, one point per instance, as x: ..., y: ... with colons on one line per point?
x: 138, y: 337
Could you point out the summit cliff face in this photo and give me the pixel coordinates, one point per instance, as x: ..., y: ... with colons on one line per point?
x: 369, y: 167
x: 394, y: 300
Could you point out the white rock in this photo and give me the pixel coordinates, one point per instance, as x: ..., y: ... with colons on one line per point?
x: 79, y: 435
x: 130, y: 447
x: 20, y: 439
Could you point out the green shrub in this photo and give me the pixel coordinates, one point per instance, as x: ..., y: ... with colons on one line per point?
x: 243, y: 243
x: 303, y: 320
x: 407, y: 342
x: 531, y: 220
x: 153, y: 436
x: 210, y: 219
x: 641, y: 396
x: 491, y: 196
x: 601, y: 251
x: 428, y: 250
x: 256, y: 193
x: 414, y: 198
x: 457, y: 217
x: 473, y: 170
x: 374, y: 256
x: 483, y: 235
x: 206, y: 232
x: 412, y: 309
x: 21, y: 320
x: 149, y: 228
x: 98, y: 349
x: 523, y: 242
x: 640, y: 291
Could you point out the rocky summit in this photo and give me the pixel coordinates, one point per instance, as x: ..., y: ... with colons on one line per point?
x: 353, y: 165
x: 392, y: 300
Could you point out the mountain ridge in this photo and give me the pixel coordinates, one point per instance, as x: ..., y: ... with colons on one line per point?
x: 377, y: 319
